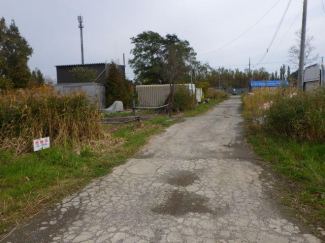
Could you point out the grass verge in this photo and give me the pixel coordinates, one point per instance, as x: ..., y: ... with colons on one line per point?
x: 31, y: 182
x: 302, y: 163
x: 286, y: 128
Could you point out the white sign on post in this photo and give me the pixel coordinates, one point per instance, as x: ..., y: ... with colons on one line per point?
x: 42, y: 143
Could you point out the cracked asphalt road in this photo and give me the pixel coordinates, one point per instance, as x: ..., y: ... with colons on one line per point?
x: 197, y: 182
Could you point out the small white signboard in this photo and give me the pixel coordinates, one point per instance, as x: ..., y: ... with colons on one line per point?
x: 42, y: 143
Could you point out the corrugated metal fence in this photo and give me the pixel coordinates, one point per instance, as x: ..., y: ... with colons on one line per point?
x: 152, y: 95
x: 156, y: 95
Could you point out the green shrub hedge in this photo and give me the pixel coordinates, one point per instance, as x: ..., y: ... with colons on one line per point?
x: 301, y: 116
x: 183, y: 99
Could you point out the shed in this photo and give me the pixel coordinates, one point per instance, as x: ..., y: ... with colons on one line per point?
x: 95, y: 92
x: 64, y: 76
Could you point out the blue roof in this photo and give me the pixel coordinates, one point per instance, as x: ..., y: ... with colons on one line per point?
x: 268, y: 83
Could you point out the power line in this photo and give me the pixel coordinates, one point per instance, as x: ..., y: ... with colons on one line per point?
x: 242, y: 33
x: 265, y: 63
x: 284, y: 36
x: 275, y: 34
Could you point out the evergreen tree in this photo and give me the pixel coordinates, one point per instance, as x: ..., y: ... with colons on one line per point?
x: 282, y: 72
x: 115, y: 86
x: 37, y: 77
x: 40, y: 78
x: 288, y: 72
x: 159, y: 59
x: 14, y: 54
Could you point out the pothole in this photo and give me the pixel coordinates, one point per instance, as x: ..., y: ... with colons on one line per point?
x: 182, y: 178
x: 181, y: 203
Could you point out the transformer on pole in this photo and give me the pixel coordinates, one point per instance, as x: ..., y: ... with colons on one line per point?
x: 81, y: 38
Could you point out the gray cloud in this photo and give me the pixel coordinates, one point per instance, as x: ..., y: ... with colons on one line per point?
x: 51, y: 28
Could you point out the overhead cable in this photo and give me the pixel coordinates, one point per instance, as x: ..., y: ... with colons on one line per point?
x: 284, y: 36
x: 244, y: 33
x: 265, y: 63
x: 275, y: 34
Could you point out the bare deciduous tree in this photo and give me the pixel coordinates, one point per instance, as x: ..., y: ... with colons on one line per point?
x: 49, y: 81
x: 294, y: 51
x: 173, y: 66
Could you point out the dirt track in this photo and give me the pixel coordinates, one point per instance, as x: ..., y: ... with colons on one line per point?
x: 197, y: 182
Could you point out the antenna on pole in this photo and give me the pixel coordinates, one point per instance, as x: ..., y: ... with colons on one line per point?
x: 81, y: 38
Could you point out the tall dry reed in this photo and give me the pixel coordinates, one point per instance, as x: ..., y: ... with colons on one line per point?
x: 256, y: 104
x: 288, y: 112
x: 216, y: 94
x: 301, y: 117
x: 30, y: 114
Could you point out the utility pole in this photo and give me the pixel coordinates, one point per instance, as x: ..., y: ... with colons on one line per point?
x: 249, y: 67
x: 219, y: 79
x: 249, y: 70
x: 322, y: 73
x: 302, y: 47
x: 81, y: 38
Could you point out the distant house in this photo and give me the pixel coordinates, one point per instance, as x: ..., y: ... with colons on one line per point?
x: 64, y: 76
x: 314, y: 77
x: 95, y: 90
x: 268, y: 84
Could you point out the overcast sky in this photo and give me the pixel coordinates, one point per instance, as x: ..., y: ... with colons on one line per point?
x: 51, y: 28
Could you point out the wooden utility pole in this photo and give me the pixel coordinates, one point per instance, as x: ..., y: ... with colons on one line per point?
x: 302, y: 47
x: 249, y: 67
x: 249, y: 71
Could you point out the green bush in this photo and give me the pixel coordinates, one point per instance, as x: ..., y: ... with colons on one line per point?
x: 183, y: 99
x: 301, y: 117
